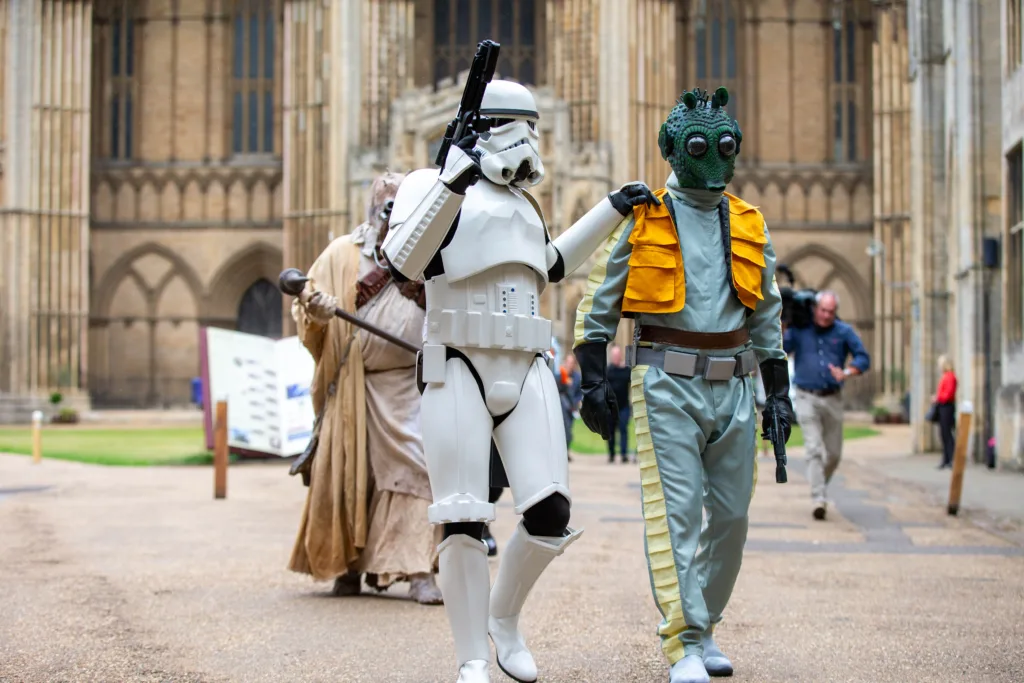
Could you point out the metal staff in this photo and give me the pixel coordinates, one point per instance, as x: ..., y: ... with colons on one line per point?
x: 293, y: 283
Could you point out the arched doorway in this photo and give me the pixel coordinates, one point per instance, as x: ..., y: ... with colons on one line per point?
x: 259, y: 312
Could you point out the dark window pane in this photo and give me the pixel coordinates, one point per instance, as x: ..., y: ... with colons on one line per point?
x: 461, y: 64
x: 440, y: 68
x: 236, y: 124
x: 701, y: 50
x: 115, y: 44
x: 851, y: 52
x: 239, y: 45
x: 462, y: 19
x: 268, y: 122
x: 129, y: 48
x: 115, y: 128
x: 268, y: 56
x: 732, y: 109
x: 716, y: 48
x: 730, y: 48
x: 837, y: 146
x: 837, y: 55
x: 441, y: 22
x: 851, y: 131
x: 526, y: 74
x: 128, y: 121
x: 485, y: 20
x: 254, y: 46
x: 506, y: 21
x: 527, y: 17
x: 253, y: 122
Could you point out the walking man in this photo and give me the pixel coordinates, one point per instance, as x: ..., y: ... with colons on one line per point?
x: 820, y: 353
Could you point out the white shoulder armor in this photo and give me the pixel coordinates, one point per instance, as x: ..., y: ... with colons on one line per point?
x: 423, y: 212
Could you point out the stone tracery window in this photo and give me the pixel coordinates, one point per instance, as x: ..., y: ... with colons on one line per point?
x: 252, y: 77
x: 121, y: 64
x: 458, y: 25
x: 716, y: 49
x: 845, y: 87
x: 1015, y: 246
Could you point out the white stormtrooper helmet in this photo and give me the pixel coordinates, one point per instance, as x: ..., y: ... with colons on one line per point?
x: 510, y: 150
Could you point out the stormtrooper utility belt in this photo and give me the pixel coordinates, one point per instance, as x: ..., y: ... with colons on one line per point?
x: 711, y: 368
x: 479, y: 330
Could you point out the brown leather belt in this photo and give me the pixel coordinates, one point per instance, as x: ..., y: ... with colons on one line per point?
x: 694, y: 340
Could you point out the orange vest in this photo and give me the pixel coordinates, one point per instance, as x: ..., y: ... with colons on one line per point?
x: 656, y: 282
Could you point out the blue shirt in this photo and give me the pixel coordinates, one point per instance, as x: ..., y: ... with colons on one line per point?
x: 816, y: 348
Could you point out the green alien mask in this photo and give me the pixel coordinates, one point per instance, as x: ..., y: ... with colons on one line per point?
x: 700, y: 141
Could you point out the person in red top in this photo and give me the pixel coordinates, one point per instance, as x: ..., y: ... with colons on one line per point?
x: 945, y: 403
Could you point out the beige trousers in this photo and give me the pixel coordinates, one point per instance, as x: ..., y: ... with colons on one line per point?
x: 821, y: 419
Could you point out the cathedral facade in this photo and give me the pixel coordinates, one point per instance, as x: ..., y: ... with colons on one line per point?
x: 164, y: 160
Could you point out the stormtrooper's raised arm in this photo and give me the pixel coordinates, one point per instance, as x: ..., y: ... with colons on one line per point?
x: 574, y: 246
x: 425, y: 206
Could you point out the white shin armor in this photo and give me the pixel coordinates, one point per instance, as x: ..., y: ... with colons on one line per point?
x: 465, y: 582
x: 525, y: 558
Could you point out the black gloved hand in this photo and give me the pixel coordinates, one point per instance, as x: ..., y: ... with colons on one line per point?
x: 599, y: 409
x: 471, y: 174
x: 775, y: 378
x: 630, y: 195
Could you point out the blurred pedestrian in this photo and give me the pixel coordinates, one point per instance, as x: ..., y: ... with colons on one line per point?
x: 619, y: 378
x: 945, y: 406
x: 570, y: 394
x: 819, y: 353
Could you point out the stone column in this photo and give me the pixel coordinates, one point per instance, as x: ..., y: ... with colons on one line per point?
x: 45, y: 216
x: 322, y: 90
x: 890, y: 104
x: 929, y: 208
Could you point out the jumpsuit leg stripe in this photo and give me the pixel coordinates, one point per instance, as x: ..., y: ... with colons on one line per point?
x: 660, y: 560
x: 757, y: 436
x: 596, y: 278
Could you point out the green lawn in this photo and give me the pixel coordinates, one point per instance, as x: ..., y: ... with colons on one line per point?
x: 168, y: 446
x: 586, y: 442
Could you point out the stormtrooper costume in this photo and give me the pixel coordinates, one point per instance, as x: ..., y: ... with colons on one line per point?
x: 480, y: 243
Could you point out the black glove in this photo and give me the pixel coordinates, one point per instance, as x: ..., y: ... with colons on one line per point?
x: 472, y: 173
x: 775, y: 378
x: 599, y: 409
x: 630, y: 195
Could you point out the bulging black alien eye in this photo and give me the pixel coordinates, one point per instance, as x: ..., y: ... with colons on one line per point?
x: 727, y: 145
x: 696, y: 146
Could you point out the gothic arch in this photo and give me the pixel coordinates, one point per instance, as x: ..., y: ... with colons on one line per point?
x: 259, y: 260
x: 841, y: 268
x: 123, y: 268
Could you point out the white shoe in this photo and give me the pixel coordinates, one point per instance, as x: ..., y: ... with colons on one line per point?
x: 524, y: 559
x: 474, y: 671
x: 689, y: 669
x: 715, y: 662
x: 465, y: 581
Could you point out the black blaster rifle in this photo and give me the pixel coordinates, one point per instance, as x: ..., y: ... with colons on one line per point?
x: 480, y: 74
x: 778, y: 439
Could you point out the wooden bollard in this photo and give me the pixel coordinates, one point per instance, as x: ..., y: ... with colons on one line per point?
x: 963, y: 432
x: 220, y: 451
x: 37, y: 437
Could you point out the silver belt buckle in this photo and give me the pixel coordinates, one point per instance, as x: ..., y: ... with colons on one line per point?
x: 683, y: 364
x: 717, y: 369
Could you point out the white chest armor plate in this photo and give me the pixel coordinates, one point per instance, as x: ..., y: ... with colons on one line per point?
x: 494, y: 272
x: 497, y: 226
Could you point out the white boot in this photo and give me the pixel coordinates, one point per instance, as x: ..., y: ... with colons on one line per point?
x: 525, y: 558
x: 716, y: 663
x: 689, y: 669
x: 465, y: 583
